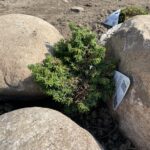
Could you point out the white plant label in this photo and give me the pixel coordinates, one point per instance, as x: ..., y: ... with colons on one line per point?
x: 122, y: 84
x: 113, y: 18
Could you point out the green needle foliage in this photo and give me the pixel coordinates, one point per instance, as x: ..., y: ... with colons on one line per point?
x: 78, y: 75
x: 54, y: 79
x: 131, y: 11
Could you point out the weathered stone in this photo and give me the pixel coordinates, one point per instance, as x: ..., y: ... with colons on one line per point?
x: 42, y: 129
x: 131, y: 44
x: 24, y: 40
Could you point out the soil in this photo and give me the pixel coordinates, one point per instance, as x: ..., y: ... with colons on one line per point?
x: 58, y: 12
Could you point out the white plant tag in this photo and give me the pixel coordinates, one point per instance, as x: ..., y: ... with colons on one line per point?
x: 113, y: 18
x: 122, y: 84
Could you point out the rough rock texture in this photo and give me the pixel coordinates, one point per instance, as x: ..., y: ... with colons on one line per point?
x: 24, y: 40
x: 131, y: 44
x: 42, y: 129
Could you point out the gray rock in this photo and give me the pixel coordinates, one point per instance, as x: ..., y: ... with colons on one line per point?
x: 42, y: 129
x: 24, y: 40
x: 77, y: 9
x: 131, y: 44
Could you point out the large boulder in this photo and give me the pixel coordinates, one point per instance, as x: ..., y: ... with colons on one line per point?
x: 42, y: 129
x: 130, y: 43
x: 24, y: 40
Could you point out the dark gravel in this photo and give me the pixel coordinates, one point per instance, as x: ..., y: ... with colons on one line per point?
x: 105, y: 129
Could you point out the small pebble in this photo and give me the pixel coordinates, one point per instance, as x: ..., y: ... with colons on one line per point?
x: 77, y: 9
x: 66, y: 1
x: 88, y: 5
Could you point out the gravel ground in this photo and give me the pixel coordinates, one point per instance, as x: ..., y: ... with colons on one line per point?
x: 59, y: 13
